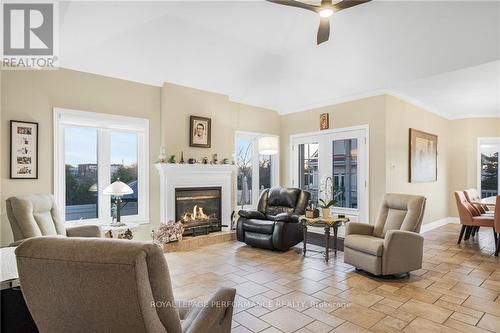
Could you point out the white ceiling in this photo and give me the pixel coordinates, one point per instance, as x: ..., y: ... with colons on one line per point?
x: 443, y: 55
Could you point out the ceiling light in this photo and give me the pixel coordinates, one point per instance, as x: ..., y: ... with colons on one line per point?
x: 326, y: 12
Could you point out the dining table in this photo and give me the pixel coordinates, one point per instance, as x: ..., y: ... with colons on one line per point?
x: 488, y: 201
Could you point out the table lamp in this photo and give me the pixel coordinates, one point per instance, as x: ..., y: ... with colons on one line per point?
x: 117, y: 189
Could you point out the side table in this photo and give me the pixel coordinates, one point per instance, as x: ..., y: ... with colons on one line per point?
x: 327, y: 224
x: 121, y: 232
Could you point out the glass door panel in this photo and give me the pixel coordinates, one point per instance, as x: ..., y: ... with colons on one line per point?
x: 345, y: 172
x: 308, y: 168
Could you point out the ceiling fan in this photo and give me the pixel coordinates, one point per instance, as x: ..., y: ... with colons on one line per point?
x: 325, y: 11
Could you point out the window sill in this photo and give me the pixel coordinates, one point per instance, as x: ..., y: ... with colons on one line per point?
x: 103, y: 223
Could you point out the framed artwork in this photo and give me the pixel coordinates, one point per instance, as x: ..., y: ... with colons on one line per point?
x: 423, y: 157
x: 23, y: 150
x: 324, y: 121
x: 200, y: 132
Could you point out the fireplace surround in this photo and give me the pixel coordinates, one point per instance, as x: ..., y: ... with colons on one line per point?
x: 191, y: 176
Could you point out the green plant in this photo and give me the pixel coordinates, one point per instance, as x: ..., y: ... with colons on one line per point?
x: 324, y: 204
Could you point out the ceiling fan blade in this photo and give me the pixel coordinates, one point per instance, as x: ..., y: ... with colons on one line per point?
x: 347, y: 4
x: 323, y: 30
x: 293, y: 3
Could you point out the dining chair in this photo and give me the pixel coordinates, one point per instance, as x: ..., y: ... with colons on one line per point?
x: 496, y: 226
x: 470, y: 217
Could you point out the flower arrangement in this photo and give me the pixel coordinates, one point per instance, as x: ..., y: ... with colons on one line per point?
x: 326, y: 187
x: 170, y: 231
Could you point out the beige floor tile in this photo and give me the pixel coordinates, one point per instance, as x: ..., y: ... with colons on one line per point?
x: 388, y: 325
x: 324, y: 317
x: 463, y: 327
x: 489, y: 322
x: 348, y: 327
x: 464, y: 318
x: 397, y: 313
x: 251, y: 322
x: 359, y: 315
x: 483, y: 305
x: 458, y: 308
x: 319, y: 327
x: 360, y: 297
x: 427, y: 311
x: 287, y: 320
x: 420, y: 325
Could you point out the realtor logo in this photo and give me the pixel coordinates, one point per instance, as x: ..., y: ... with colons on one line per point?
x: 29, y: 35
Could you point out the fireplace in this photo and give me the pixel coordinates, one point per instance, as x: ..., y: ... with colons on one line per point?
x: 199, y: 209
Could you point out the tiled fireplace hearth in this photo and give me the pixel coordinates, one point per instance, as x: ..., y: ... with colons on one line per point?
x: 199, y: 195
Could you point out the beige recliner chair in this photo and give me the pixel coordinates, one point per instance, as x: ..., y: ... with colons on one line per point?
x: 106, y: 285
x: 37, y: 215
x: 392, y: 245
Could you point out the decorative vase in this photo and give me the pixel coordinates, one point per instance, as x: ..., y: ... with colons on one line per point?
x: 325, y: 212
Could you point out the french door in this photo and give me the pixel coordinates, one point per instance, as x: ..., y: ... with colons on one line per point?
x: 339, y: 155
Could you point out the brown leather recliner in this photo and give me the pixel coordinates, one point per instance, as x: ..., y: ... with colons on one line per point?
x: 275, y: 224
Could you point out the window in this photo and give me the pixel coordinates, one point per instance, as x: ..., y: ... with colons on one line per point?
x: 93, y: 150
x: 255, y: 172
x: 488, y: 173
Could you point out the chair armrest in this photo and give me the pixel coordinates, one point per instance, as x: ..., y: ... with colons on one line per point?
x: 358, y: 228
x: 402, y: 249
x: 16, y: 243
x: 252, y: 214
x: 284, y: 217
x: 83, y: 231
x: 217, y: 312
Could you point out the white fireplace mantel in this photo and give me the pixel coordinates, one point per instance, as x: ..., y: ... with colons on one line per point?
x: 173, y: 176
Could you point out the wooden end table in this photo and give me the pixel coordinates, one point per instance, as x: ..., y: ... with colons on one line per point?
x: 326, y: 223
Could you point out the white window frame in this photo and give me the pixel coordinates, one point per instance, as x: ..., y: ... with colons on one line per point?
x: 104, y: 123
x: 275, y: 174
x: 324, y: 139
x: 482, y: 141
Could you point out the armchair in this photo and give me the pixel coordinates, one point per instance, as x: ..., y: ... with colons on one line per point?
x: 275, y: 224
x: 392, y: 245
x: 37, y: 215
x: 108, y: 285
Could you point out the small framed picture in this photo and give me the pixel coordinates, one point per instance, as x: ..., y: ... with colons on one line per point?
x: 200, y: 132
x: 23, y: 150
x: 324, y: 121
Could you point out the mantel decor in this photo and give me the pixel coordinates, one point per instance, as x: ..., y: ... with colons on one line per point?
x: 423, y: 157
x: 23, y: 150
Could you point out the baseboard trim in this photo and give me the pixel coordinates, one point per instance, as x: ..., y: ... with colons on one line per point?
x: 436, y: 224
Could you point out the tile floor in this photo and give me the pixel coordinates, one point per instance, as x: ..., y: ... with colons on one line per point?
x: 457, y: 290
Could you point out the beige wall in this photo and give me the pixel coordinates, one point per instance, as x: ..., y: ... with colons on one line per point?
x: 464, y: 135
x: 179, y: 103
x: 32, y: 95
x: 368, y: 111
x: 400, y: 117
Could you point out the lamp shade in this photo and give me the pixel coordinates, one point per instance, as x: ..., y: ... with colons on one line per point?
x: 118, y: 188
x: 268, y: 145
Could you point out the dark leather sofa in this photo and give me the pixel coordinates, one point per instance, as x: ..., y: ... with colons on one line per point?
x: 275, y: 224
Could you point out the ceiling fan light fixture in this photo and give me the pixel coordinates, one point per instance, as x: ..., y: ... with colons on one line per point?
x: 326, y: 12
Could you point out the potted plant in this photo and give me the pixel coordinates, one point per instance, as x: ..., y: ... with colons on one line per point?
x: 326, y: 187
x: 325, y: 207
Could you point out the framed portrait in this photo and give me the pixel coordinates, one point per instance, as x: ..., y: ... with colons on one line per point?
x: 200, y: 132
x: 23, y: 150
x: 324, y: 121
x: 423, y: 157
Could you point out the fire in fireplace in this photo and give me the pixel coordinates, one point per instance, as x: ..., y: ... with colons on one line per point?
x: 199, y: 209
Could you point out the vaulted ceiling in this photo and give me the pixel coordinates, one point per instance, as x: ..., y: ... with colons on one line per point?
x: 443, y: 55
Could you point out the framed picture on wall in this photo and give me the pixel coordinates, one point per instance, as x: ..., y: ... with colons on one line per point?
x: 23, y: 150
x: 324, y: 121
x: 200, y: 132
x: 423, y: 157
